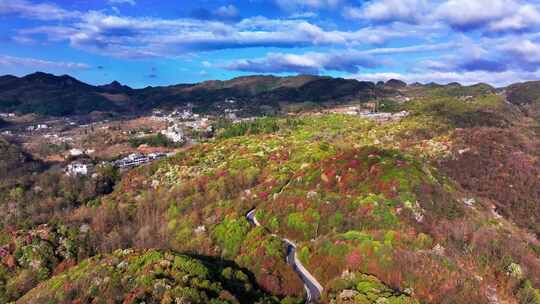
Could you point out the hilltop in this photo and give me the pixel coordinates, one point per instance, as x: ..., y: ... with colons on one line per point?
x: 48, y: 94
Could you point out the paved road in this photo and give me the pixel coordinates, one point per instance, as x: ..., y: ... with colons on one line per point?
x: 311, y: 285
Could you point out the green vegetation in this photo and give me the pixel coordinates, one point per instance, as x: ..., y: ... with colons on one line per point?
x: 15, y: 164
x: 149, y: 276
x: 366, y: 289
x: 257, y: 126
x: 382, y: 212
x: 158, y: 140
x: 36, y: 255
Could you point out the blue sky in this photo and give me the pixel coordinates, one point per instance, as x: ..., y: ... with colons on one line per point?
x: 141, y: 43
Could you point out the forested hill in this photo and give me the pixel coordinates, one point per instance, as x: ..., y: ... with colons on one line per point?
x: 438, y: 206
x: 48, y: 94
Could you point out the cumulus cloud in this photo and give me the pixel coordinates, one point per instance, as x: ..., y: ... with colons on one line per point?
x: 310, y: 63
x: 524, y: 18
x: 489, y: 16
x: 467, y: 56
x: 521, y: 53
x: 410, y: 11
x: 350, y: 61
x: 468, y: 15
x: 39, y: 11
x: 11, y: 61
x: 503, y: 36
x: 137, y: 37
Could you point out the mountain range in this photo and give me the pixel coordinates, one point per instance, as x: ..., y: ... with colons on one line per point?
x: 47, y: 94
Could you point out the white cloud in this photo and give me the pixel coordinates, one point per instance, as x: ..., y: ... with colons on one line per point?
x: 499, y: 79
x: 39, y: 11
x: 526, y: 16
x: 316, y: 62
x: 227, y: 11
x: 11, y: 61
x: 422, y: 48
x: 410, y: 11
x: 465, y: 14
x: 147, y: 37
x: 523, y: 48
x: 522, y: 53
x: 461, y: 15
x: 309, y: 63
x: 488, y: 15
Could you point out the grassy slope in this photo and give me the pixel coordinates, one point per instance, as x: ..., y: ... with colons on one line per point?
x: 360, y: 198
x: 148, y: 276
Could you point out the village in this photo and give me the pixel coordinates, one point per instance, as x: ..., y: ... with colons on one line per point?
x: 82, y: 144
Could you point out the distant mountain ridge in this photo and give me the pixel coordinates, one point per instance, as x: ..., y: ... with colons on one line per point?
x: 49, y: 94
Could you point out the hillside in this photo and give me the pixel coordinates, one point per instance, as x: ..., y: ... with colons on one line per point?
x: 527, y: 96
x: 48, y: 94
x: 149, y: 276
x: 438, y: 207
x: 15, y: 163
x: 524, y: 93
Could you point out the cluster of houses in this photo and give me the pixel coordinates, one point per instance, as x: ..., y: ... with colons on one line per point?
x: 179, y: 120
x: 174, y: 133
x: 185, y: 113
x: 203, y: 124
x: 82, y: 167
x: 37, y: 127
x: 381, y: 117
x: 369, y: 110
x: 137, y: 159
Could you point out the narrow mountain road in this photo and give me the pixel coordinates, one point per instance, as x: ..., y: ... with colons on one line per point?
x: 311, y: 285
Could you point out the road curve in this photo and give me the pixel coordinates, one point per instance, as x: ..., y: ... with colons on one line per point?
x: 311, y: 285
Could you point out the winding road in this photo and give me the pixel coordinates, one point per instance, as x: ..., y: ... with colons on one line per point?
x: 311, y: 285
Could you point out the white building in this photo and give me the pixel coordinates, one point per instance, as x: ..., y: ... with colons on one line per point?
x: 174, y: 133
x: 37, y: 127
x: 77, y: 168
x: 132, y: 160
x: 76, y: 152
